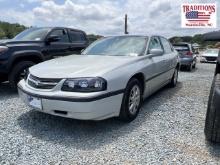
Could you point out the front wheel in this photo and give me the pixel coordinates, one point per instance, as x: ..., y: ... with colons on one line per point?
x: 18, y: 72
x: 132, y: 100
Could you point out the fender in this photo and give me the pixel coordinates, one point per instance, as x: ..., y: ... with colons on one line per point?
x: 26, y: 54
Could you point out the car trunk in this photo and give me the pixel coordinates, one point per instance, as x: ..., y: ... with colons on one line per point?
x: 183, y: 50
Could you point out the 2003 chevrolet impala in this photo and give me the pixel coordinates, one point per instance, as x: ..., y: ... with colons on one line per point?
x: 110, y: 79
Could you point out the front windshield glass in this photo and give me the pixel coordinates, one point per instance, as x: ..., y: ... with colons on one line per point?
x: 118, y: 46
x: 212, y: 51
x: 32, y: 34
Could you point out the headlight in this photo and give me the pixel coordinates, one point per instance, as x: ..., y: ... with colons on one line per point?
x: 85, y: 85
x: 3, y: 49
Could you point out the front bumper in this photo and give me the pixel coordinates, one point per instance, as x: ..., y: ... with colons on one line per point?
x: 208, y: 59
x: 95, y: 107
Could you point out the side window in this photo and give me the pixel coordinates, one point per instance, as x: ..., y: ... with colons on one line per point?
x: 166, y: 45
x: 154, y: 43
x: 62, y: 34
x: 77, y: 36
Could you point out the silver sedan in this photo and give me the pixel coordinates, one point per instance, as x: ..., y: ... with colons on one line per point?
x: 110, y: 79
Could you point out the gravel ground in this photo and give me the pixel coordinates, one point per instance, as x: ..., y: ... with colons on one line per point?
x: 169, y: 130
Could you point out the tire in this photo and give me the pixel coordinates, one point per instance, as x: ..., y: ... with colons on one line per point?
x: 3, y: 79
x: 174, y: 79
x: 212, y: 123
x: 15, y: 74
x: 194, y: 65
x: 190, y: 67
x: 126, y: 113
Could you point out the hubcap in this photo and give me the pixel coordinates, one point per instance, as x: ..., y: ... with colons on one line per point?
x: 134, y: 99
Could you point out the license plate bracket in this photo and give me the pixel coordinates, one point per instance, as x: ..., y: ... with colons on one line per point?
x: 34, y: 102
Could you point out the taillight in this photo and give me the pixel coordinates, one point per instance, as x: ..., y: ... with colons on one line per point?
x: 189, y: 54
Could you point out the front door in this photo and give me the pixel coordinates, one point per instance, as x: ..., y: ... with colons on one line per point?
x: 61, y: 47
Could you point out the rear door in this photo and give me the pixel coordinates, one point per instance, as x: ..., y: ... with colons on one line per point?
x: 169, y: 59
x: 78, y: 41
x: 154, y: 80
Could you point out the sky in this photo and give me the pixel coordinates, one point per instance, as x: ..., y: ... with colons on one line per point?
x: 104, y: 17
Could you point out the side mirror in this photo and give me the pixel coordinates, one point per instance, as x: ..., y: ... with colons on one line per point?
x: 53, y: 38
x: 156, y: 52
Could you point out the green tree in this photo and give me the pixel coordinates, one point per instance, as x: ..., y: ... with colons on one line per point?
x: 2, y: 33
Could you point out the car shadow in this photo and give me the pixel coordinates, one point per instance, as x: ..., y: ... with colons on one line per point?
x: 87, y: 135
x: 6, y: 91
x: 184, y: 69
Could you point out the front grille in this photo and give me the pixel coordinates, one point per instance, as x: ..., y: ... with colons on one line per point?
x: 42, y: 83
x: 211, y: 58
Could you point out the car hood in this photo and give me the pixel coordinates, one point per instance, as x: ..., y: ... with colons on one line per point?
x: 4, y: 41
x: 79, y: 66
x: 11, y: 42
x: 209, y: 55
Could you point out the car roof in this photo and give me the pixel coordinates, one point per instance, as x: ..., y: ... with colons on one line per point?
x: 59, y: 27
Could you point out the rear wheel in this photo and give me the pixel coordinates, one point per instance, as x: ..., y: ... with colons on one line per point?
x: 194, y: 65
x: 190, y: 67
x: 18, y: 72
x: 132, y: 100
x: 174, y: 79
x: 212, y: 124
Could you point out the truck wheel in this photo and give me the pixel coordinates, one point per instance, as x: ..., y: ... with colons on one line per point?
x: 131, y: 101
x: 212, y: 123
x: 18, y: 72
x: 3, y: 79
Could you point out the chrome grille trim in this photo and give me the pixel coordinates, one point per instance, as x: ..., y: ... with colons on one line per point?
x: 42, y: 83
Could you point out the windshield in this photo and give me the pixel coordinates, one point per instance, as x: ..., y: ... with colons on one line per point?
x: 212, y: 51
x: 32, y: 34
x: 117, y: 46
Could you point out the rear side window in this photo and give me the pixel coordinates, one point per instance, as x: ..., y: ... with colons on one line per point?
x: 77, y: 36
x: 166, y: 45
x: 62, y: 34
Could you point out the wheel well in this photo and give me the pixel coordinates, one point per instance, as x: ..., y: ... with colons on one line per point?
x: 34, y: 59
x: 140, y: 78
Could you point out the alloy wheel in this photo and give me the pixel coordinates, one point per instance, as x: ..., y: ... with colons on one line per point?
x: 134, y: 99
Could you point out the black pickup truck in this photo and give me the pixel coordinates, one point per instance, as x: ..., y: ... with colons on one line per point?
x: 35, y: 45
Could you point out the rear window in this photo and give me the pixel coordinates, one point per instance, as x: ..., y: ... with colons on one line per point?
x: 181, y: 47
x: 77, y: 36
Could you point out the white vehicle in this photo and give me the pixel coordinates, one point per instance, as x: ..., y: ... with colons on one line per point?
x: 210, y: 55
x: 110, y: 79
